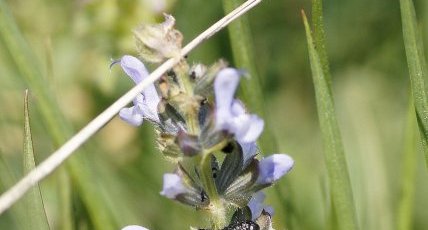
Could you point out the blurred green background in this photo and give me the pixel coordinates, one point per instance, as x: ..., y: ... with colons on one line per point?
x: 75, y: 41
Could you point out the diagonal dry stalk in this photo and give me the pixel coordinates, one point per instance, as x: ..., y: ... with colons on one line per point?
x: 59, y: 156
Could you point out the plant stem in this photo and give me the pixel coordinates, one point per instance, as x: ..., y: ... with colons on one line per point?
x: 216, y: 208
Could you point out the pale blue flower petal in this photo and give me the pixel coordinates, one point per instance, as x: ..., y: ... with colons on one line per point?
x: 237, y: 108
x: 172, y: 186
x: 274, y: 167
x: 134, y: 227
x: 225, y: 85
x: 134, y: 68
x: 256, y: 205
x: 249, y: 128
x: 151, y: 100
x: 234, y: 119
x: 249, y: 150
x: 131, y: 116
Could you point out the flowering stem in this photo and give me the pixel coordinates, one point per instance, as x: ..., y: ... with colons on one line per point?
x: 216, y: 209
x: 207, y: 179
x: 59, y: 156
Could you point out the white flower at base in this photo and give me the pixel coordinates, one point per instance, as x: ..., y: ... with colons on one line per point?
x: 134, y: 227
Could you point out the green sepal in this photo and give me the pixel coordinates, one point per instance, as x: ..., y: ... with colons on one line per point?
x: 167, y: 112
x: 265, y: 221
x: 230, y: 169
x: 203, y: 85
x: 241, y: 214
x: 168, y: 146
x: 240, y: 191
x: 195, y: 195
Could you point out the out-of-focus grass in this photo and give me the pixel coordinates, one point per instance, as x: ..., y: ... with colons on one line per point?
x: 342, y: 212
x: 370, y: 84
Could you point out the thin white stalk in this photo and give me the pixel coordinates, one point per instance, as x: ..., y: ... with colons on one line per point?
x: 59, y: 156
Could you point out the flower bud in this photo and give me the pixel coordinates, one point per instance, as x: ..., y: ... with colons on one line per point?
x: 158, y: 42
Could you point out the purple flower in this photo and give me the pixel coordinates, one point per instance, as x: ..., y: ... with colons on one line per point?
x: 172, y: 186
x: 146, y: 103
x: 256, y: 205
x: 230, y: 113
x: 134, y: 227
x: 274, y: 167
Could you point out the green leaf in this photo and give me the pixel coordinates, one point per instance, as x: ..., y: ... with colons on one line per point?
x: 83, y: 174
x: 340, y: 185
x: 35, y: 211
x: 64, y: 189
x: 7, y: 179
x: 319, y: 39
x: 417, y: 68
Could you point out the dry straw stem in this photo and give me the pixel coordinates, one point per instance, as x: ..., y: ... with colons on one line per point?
x: 59, y: 156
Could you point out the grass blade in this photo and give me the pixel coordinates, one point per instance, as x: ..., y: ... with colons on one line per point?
x: 13, y: 218
x: 35, y: 211
x: 340, y: 185
x: 409, y: 168
x: 319, y: 39
x: 417, y: 68
x: 59, y: 129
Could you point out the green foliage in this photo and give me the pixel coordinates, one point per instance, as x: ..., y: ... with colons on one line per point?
x: 341, y: 191
x: 417, y: 68
x: 35, y: 212
x: 58, y: 127
x: 408, y: 179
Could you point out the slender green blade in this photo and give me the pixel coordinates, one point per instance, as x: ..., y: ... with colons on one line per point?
x: 340, y: 185
x: 409, y: 168
x: 319, y: 39
x: 15, y: 215
x: 34, y: 208
x: 251, y: 90
x: 85, y: 177
x: 417, y: 68
x: 65, y: 200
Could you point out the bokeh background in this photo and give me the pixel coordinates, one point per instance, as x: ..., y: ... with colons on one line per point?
x: 121, y: 170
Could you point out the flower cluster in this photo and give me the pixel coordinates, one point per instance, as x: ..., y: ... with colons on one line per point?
x: 199, y: 121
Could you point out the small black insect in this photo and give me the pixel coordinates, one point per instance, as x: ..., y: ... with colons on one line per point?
x: 245, y: 225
